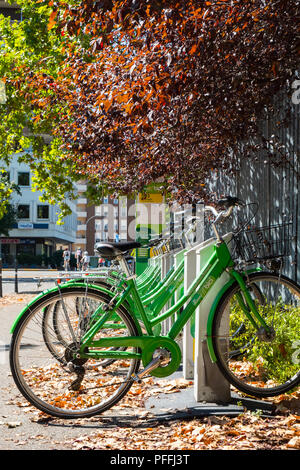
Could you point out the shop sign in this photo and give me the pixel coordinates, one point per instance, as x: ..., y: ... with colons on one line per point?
x: 150, y: 198
x: 25, y: 225
x: 6, y: 241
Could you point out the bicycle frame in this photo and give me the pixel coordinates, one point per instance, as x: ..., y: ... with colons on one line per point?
x: 219, y: 261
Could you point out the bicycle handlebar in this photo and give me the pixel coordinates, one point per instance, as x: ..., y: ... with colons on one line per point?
x: 228, y: 202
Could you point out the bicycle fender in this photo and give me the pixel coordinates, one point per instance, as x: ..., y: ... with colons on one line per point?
x: 48, y: 292
x: 213, y: 311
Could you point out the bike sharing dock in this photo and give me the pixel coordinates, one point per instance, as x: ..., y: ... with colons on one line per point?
x: 210, y: 393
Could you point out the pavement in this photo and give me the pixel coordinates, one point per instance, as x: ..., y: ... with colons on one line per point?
x: 21, y: 429
x: 27, y: 281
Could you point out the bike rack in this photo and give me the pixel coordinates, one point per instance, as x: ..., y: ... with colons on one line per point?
x: 209, y: 383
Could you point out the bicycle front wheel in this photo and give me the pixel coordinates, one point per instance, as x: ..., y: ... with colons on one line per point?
x: 257, y: 361
x: 46, y: 367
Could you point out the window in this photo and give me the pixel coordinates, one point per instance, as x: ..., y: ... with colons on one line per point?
x: 13, y: 13
x: 23, y: 178
x: 43, y: 212
x: 23, y: 211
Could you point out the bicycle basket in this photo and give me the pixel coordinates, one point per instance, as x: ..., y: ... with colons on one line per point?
x: 263, y: 243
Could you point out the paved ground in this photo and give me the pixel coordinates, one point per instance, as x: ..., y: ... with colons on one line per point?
x: 28, y: 281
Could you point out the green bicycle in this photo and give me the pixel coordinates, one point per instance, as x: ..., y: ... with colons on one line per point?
x: 160, y: 291
x: 252, y: 335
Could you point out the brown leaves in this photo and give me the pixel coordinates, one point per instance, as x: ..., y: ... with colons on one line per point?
x: 245, y: 432
x: 52, y: 18
x: 168, y: 91
x: 115, y: 429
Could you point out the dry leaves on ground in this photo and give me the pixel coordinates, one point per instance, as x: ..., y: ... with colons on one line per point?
x: 10, y: 299
x: 245, y: 432
x: 120, y: 429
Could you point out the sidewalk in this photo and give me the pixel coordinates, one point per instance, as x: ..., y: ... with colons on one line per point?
x: 27, y: 280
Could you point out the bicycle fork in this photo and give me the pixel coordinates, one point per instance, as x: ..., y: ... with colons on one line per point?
x: 249, y: 307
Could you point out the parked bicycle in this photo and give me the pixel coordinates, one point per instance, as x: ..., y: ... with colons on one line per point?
x: 252, y: 333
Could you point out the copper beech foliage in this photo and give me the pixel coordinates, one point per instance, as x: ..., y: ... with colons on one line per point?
x: 164, y: 90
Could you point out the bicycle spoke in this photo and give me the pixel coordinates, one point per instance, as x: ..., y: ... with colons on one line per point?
x: 50, y: 373
x: 260, y: 361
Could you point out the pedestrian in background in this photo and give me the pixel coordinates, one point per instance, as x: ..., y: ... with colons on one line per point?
x: 85, y: 261
x: 66, y: 258
x: 78, y: 256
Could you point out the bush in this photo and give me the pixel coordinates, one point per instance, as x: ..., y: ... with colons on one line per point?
x: 26, y: 259
x: 275, y: 356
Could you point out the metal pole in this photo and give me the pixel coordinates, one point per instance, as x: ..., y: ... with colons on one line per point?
x: 1, y: 292
x: 16, y: 277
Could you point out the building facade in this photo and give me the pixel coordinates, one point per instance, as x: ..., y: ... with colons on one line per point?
x: 12, y: 10
x: 113, y: 220
x: 36, y: 235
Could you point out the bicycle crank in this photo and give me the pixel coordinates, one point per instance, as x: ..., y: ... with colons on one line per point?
x: 161, y: 359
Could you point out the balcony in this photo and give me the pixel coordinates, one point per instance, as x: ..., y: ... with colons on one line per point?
x: 81, y: 187
x: 81, y: 241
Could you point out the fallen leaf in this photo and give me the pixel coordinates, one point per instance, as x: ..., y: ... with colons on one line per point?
x: 14, y: 424
x: 294, y: 443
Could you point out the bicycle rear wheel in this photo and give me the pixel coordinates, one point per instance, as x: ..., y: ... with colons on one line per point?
x: 257, y: 362
x: 48, y: 373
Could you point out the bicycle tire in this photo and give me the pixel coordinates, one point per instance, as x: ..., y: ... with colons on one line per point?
x: 55, y: 325
x: 269, y: 366
x: 45, y: 381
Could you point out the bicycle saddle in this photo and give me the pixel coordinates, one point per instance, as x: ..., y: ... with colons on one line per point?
x: 111, y: 250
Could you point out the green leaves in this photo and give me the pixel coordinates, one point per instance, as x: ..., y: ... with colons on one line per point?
x: 30, y: 60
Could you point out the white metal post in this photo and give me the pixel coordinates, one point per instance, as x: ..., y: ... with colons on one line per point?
x: 209, y: 383
x: 188, y: 340
x: 178, y: 257
x: 165, y: 266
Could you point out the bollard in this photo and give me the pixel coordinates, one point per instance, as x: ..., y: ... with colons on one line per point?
x: 1, y: 291
x: 210, y: 385
x: 188, y: 340
x: 16, y: 277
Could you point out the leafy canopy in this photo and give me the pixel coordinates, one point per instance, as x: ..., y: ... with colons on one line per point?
x: 30, y: 49
x: 140, y: 91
